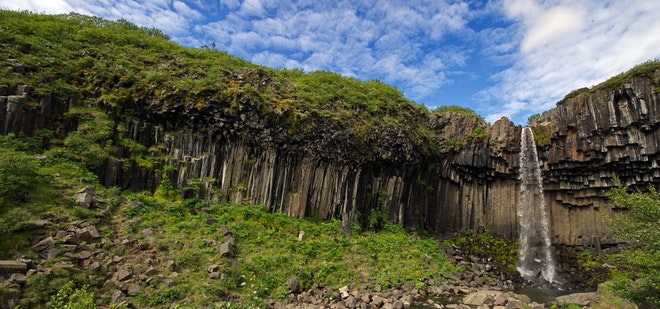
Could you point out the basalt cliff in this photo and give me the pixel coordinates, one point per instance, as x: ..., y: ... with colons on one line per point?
x: 254, y: 137
x: 587, y: 144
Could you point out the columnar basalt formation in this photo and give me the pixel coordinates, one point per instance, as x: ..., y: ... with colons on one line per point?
x: 596, y: 141
x: 468, y: 181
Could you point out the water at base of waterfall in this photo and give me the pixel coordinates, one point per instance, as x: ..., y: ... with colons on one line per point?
x: 536, y: 262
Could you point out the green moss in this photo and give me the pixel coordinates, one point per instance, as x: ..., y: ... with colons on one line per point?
x: 646, y: 69
x: 542, y: 137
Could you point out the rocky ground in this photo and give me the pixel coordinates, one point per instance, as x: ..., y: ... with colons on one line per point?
x: 81, y: 246
x: 121, y: 265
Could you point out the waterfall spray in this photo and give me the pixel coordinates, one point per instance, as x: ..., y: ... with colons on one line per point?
x: 536, y: 260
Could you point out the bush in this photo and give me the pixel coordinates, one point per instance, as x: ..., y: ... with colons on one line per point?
x: 69, y: 297
x: 18, y: 175
x: 637, y: 276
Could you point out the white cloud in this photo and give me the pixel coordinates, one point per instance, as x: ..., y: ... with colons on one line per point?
x: 568, y: 45
x: 39, y: 6
x: 556, y: 24
x: 184, y: 9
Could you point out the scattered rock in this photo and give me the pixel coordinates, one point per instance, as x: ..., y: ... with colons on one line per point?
x: 224, y: 229
x: 151, y: 271
x: 294, y: 285
x: 86, y: 197
x: 44, y: 244
x: 580, y: 299
x: 226, y: 250
x: 213, y: 268
x: 122, y: 275
x: 88, y: 233
x: 18, y: 278
x: 133, y: 289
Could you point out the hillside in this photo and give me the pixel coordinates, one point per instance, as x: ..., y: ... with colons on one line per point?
x: 135, y: 172
x: 139, y: 74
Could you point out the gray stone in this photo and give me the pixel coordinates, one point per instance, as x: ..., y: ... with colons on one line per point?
x: 170, y: 265
x: 294, y: 285
x: 213, y: 268
x: 117, y: 296
x: 377, y: 301
x: 122, y: 275
x: 151, y: 271
x: 224, y: 229
x: 478, y: 298
x: 134, y: 289
x: 18, y: 278
x: 88, y: 233
x: 44, y: 244
x: 12, y: 267
x: 10, y: 297
x: 514, y: 304
x: 350, y: 302
x: 86, y: 197
x: 580, y: 299
x: 343, y: 291
x: 226, y: 250
x: 83, y: 255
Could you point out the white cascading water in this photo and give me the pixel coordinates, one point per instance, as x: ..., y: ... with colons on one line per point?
x: 536, y: 261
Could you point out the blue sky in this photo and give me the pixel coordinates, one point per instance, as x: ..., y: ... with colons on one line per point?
x: 512, y: 58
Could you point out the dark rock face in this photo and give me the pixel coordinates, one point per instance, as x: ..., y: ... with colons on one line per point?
x: 593, y: 139
x: 470, y: 180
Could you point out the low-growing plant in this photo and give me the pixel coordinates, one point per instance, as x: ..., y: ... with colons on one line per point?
x: 502, y: 251
x: 70, y: 297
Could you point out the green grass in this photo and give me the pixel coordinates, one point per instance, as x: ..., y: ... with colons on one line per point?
x: 270, y: 253
x: 117, y: 65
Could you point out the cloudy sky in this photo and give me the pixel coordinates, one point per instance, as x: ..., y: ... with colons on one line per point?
x: 509, y: 58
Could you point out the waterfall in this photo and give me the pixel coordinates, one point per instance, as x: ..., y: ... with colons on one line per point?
x: 536, y: 261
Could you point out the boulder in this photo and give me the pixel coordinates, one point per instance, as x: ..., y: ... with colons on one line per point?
x: 88, y: 233
x: 580, y: 299
x: 44, y: 244
x: 86, y: 197
x: 12, y: 267
x: 224, y: 229
x: 226, y: 250
x: 479, y: 298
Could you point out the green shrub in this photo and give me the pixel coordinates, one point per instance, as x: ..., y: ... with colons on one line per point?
x: 19, y: 174
x: 69, y: 297
x: 503, y: 252
x: 637, y: 276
